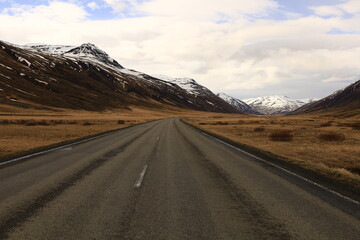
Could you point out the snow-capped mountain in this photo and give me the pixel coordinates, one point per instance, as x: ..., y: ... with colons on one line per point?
x: 345, y: 102
x: 238, y: 104
x: 188, y: 84
x: 271, y: 105
x: 51, y: 49
x: 86, y: 77
x: 87, y: 51
x: 198, y: 91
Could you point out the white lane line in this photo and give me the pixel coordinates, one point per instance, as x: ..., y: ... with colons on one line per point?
x: 139, y: 181
x: 287, y: 171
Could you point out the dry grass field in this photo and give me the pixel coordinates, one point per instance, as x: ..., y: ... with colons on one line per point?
x: 327, y: 145
x: 25, y: 129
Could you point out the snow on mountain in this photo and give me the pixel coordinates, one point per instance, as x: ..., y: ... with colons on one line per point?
x: 52, y: 49
x: 188, y: 84
x: 85, y: 77
x: 198, y: 92
x: 271, y: 105
x: 91, y: 52
x: 238, y: 104
x: 87, y: 51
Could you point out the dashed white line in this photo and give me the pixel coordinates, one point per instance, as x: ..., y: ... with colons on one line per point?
x: 139, y: 181
x: 285, y: 170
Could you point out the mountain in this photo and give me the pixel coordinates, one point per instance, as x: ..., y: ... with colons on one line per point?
x: 272, y: 105
x: 87, y: 51
x: 238, y: 104
x: 86, y: 77
x: 345, y: 102
x: 197, y: 91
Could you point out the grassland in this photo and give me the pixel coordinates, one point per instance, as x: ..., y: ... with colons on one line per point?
x: 330, y: 146
x: 25, y: 129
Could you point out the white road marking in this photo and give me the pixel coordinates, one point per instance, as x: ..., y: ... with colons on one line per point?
x: 285, y: 170
x: 139, y: 181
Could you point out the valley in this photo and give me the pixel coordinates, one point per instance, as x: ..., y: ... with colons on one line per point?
x: 179, y: 120
x: 51, y: 95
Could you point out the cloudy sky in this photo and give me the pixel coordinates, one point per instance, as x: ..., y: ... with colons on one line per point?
x: 298, y: 48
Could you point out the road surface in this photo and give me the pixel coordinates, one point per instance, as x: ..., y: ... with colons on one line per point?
x: 165, y: 180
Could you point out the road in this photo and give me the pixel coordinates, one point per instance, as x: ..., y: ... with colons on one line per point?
x: 165, y: 180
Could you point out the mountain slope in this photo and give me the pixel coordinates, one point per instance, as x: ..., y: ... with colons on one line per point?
x: 344, y: 102
x: 198, y: 92
x: 272, y: 105
x: 84, y: 77
x: 238, y: 104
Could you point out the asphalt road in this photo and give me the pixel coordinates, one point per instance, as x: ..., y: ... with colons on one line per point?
x: 165, y: 180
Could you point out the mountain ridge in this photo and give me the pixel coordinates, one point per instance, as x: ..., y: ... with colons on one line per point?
x: 343, y: 102
x: 276, y: 104
x: 86, y: 77
x: 238, y: 104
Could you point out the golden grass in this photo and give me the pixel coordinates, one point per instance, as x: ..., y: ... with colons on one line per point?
x: 337, y: 156
x: 22, y: 130
x: 25, y: 129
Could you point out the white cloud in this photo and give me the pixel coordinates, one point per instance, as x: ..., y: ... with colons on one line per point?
x: 328, y: 11
x: 56, y: 11
x: 93, y: 5
x: 350, y: 7
x: 119, y: 5
x: 207, y: 9
x: 242, y: 56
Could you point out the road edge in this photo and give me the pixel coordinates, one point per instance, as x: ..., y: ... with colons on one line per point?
x: 16, y: 158
x: 333, y: 184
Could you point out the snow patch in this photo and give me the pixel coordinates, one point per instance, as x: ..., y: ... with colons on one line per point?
x: 188, y: 84
x: 5, y: 76
x: 23, y: 60
x: 130, y: 72
x: 43, y: 82
x: 6, y: 66
x: 52, y: 49
x: 17, y: 89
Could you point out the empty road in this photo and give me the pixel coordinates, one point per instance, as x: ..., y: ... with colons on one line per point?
x: 165, y: 180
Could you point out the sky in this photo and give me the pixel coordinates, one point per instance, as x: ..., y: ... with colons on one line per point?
x: 297, y: 48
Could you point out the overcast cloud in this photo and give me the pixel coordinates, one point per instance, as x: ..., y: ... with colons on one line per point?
x: 244, y: 48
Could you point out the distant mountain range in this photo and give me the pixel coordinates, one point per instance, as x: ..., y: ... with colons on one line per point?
x: 85, y: 77
x: 272, y: 105
x: 344, y: 102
